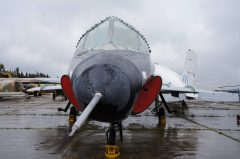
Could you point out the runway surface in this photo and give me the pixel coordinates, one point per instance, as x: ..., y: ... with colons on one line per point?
x: 34, y: 128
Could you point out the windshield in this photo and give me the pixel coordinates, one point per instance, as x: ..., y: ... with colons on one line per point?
x: 112, y: 34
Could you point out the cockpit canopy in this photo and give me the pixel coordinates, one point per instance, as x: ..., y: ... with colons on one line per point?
x: 112, y: 34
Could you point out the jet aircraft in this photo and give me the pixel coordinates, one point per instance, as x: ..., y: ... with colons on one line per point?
x: 112, y: 76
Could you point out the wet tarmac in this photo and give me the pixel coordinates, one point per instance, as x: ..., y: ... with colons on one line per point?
x: 35, y: 129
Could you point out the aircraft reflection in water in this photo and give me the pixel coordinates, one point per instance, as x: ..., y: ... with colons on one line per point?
x: 111, y: 76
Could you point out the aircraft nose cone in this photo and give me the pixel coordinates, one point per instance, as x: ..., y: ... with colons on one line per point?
x: 107, y: 79
x: 112, y: 75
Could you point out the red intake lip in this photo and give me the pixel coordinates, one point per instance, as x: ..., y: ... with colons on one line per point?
x: 67, y: 89
x: 147, y: 94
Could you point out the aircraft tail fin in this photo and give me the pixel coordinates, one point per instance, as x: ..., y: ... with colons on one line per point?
x: 189, y: 71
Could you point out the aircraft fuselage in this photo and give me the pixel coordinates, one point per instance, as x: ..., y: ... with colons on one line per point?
x: 117, y: 74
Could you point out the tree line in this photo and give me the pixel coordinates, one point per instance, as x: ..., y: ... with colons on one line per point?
x: 17, y: 73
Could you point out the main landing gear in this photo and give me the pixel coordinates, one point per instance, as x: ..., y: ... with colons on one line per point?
x: 72, y: 115
x: 112, y: 150
x: 72, y: 118
x: 160, y: 112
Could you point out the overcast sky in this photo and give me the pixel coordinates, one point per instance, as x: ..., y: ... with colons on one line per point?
x: 41, y: 35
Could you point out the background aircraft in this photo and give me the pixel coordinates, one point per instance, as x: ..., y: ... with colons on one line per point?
x: 174, y: 83
x: 11, y: 88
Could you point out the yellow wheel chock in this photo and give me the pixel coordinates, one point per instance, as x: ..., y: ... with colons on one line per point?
x: 112, y: 151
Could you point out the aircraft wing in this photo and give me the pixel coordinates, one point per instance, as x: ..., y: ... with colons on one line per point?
x: 165, y: 89
x: 32, y: 80
x: 38, y: 80
x: 52, y: 88
x: 45, y: 88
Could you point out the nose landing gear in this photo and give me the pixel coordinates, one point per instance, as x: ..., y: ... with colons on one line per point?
x: 112, y: 150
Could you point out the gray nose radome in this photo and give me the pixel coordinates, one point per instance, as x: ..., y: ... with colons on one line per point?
x: 115, y: 77
x: 106, y: 79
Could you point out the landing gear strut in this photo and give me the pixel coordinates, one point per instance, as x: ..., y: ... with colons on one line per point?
x: 111, y: 134
x: 72, y: 115
x: 166, y: 105
x: 160, y: 110
x: 112, y: 150
x: 66, y: 108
